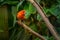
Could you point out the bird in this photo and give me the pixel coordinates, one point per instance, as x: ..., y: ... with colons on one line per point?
x: 21, y: 15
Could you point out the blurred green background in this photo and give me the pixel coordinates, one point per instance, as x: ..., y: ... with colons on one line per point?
x: 10, y: 30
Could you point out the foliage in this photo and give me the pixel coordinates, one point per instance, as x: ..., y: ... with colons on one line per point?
x: 16, y: 32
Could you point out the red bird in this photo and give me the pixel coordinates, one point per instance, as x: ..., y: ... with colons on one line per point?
x: 21, y: 15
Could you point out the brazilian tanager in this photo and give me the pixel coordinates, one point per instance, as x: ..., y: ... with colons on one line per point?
x: 21, y: 15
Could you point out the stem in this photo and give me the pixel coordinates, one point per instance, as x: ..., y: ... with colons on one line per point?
x: 46, y: 20
x: 30, y: 30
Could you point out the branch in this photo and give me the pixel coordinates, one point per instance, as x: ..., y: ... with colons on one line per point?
x: 30, y: 30
x: 46, y: 20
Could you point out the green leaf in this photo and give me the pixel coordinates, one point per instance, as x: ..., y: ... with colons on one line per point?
x: 26, y: 8
x: 38, y: 17
x: 46, y: 10
x: 32, y: 9
x: 12, y: 35
x: 14, y: 12
x: 19, y: 4
x: 12, y: 2
x: 27, y: 15
x: 37, y: 39
x: 33, y: 27
x: 55, y: 10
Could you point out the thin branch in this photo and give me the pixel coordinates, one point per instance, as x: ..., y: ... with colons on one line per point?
x: 46, y: 20
x: 30, y: 30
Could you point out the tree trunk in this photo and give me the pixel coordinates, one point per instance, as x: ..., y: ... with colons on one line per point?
x: 3, y: 23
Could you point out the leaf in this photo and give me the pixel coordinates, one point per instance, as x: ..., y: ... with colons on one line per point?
x: 14, y: 12
x: 33, y: 26
x: 20, y: 34
x: 19, y: 4
x: 11, y: 2
x: 37, y: 39
x: 27, y: 15
x: 55, y: 10
x: 38, y: 17
x: 26, y: 8
x: 32, y: 9
x: 46, y: 10
x: 12, y: 35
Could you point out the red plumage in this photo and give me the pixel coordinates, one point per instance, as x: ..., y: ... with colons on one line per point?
x: 21, y: 15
